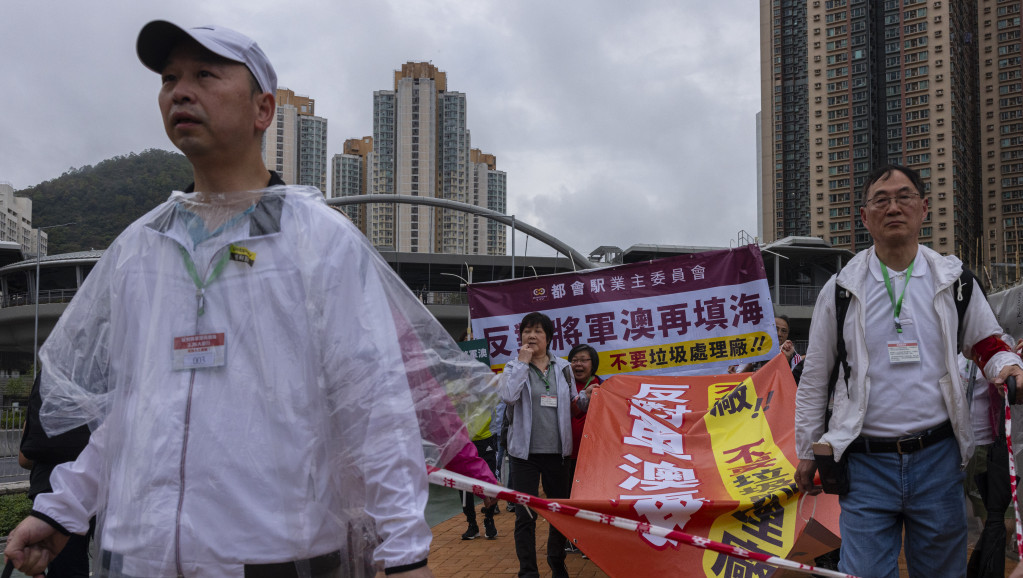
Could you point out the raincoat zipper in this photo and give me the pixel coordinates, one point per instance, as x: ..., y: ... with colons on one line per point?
x: 200, y: 310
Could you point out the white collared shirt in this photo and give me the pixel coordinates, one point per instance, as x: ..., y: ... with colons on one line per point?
x: 905, y: 397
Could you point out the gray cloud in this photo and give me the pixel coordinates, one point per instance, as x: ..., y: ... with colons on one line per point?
x: 617, y: 123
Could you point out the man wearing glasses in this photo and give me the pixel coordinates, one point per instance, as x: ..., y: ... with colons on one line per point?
x: 901, y: 421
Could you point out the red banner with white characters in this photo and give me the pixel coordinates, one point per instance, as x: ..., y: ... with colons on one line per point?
x: 696, y: 313
x: 712, y: 456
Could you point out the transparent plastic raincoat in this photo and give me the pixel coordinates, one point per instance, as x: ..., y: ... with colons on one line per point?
x: 310, y: 438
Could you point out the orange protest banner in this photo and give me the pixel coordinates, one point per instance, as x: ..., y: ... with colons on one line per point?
x: 712, y: 456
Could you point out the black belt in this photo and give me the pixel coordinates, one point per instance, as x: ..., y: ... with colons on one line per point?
x: 325, y: 565
x: 903, y: 445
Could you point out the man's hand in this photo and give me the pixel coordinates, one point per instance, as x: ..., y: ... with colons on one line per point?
x: 1013, y: 371
x: 788, y: 349
x: 489, y: 501
x: 33, y: 545
x: 804, y: 477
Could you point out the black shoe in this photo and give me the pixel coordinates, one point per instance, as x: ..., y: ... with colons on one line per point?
x: 472, y: 532
x: 511, y: 507
x: 570, y: 548
x: 490, y: 528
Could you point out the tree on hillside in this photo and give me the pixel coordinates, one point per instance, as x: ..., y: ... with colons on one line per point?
x: 104, y: 199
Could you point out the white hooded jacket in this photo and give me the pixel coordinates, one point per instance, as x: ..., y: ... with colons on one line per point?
x: 850, y: 402
x: 309, y: 440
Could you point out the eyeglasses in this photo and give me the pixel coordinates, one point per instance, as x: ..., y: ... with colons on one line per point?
x: 881, y: 202
x: 580, y: 360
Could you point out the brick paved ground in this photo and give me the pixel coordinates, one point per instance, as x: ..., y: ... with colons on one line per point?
x: 452, y: 557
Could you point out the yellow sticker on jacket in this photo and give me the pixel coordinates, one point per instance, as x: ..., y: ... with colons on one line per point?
x: 243, y: 255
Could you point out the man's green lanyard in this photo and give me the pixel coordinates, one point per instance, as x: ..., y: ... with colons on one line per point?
x: 200, y: 286
x: 896, y: 305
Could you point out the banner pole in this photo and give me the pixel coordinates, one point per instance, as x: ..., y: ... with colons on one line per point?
x: 448, y: 479
x: 1012, y: 474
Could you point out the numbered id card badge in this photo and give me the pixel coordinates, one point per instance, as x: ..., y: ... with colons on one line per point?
x: 548, y: 401
x: 905, y: 348
x: 199, y: 351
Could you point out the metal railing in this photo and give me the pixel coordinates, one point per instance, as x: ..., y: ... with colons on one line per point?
x: 805, y: 295
x: 12, y: 421
x: 443, y: 297
x: 48, y: 296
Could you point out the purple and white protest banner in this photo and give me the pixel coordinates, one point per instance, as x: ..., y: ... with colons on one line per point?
x: 661, y: 317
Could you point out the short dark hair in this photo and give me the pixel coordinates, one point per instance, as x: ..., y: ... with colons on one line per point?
x: 884, y: 172
x: 254, y: 84
x: 535, y: 318
x: 593, y: 354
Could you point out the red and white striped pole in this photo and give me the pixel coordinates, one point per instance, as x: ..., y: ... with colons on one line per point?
x: 449, y: 479
x: 1012, y: 468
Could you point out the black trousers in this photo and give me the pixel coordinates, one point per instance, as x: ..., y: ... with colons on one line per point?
x: 526, y: 476
x: 487, y: 449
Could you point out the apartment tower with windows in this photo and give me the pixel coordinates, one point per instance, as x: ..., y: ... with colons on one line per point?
x: 295, y: 144
x: 349, y: 172
x: 421, y: 147
x: 892, y: 81
x: 16, y: 221
x: 1001, y: 128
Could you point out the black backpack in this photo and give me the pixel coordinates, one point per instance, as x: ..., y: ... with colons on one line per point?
x: 962, y: 291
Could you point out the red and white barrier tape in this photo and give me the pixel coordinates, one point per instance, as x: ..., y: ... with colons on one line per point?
x: 449, y: 479
x: 1012, y: 475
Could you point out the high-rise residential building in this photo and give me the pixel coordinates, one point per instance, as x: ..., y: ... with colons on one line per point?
x: 16, y: 222
x: 892, y: 81
x: 1001, y: 138
x: 489, y: 189
x: 349, y: 175
x: 785, y: 143
x: 295, y: 145
x: 421, y: 147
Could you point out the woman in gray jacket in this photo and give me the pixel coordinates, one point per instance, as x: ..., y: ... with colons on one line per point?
x: 536, y: 388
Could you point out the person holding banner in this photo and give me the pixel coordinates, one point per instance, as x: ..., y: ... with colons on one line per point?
x: 901, y: 429
x: 584, y: 361
x: 785, y: 347
x: 536, y: 386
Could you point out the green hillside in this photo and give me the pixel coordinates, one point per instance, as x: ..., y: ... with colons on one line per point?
x: 104, y: 199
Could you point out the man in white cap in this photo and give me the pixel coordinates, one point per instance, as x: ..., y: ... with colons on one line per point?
x: 263, y: 390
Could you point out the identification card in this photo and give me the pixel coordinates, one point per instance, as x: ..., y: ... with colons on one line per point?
x: 548, y: 401
x: 903, y: 352
x: 199, y: 351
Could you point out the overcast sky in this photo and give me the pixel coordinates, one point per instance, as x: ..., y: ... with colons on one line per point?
x: 617, y: 122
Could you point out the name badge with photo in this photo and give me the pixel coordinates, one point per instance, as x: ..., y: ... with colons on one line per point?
x: 199, y: 351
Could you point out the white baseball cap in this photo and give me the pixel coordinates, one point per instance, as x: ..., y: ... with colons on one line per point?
x: 159, y: 36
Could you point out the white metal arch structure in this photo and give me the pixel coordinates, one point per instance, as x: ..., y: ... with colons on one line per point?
x: 579, y: 261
